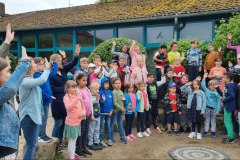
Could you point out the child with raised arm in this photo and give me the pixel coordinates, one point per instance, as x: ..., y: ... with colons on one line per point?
x: 123, y: 53
x: 119, y: 111
x: 136, y: 54
x: 46, y: 95
x: 196, y: 104
x: 230, y: 46
x: 213, y: 105
x: 75, y: 114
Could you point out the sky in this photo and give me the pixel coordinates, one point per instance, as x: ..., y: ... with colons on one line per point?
x: 21, y: 6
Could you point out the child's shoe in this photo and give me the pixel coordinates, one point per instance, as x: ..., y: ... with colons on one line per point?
x: 123, y: 140
x: 229, y: 141
x: 109, y: 142
x: 132, y: 136
x: 149, y: 131
x: 158, y: 130
x: 169, y: 132
x: 129, y: 139
x: 76, y: 157
x: 205, y: 134
x: 86, y: 152
x: 192, y: 135
x: 103, y: 144
x: 176, y: 132
x: 199, y: 136
x: 139, y: 135
x: 181, y: 130
x: 145, y: 134
x: 163, y: 128
x: 187, y: 130
x: 214, y: 135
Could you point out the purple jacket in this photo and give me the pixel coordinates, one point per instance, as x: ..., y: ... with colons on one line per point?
x: 237, y: 48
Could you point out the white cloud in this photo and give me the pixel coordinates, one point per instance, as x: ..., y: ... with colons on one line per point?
x: 20, y: 6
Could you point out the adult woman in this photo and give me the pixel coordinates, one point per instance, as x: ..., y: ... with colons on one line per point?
x: 57, y: 84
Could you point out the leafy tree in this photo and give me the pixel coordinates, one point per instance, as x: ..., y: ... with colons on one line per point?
x: 220, y: 40
x: 104, y: 49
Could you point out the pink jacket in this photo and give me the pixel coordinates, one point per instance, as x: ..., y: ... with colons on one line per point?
x: 138, y: 75
x: 75, y: 109
x: 134, y: 56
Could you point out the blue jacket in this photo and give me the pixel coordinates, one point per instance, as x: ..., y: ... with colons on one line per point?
x: 194, y: 57
x: 129, y: 100
x: 46, y: 87
x: 213, y: 98
x: 230, y: 96
x: 107, y: 105
x: 9, y: 122
x: 58, y: 90
x: 201, y: 98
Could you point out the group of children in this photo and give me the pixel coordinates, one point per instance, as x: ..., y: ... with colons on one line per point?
x: 87, y: 108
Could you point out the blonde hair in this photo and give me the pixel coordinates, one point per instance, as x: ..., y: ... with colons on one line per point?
x: 140, y: 83
x: 84, y: 59
x: 94, y: 85
x: 55, y: 57
x: 211, y: 83
x: 177, y: 57
x: 69, y: 84
x: 30, y: 69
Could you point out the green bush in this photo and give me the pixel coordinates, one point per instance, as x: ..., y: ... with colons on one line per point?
x: 104, y: 49
x: 220, y: 40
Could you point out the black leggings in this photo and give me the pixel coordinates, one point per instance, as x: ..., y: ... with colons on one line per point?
x: 82, y: 140
x: 140, y: 122
x: 154, y: 113
x: 128, y: 126
x: 198, y: 127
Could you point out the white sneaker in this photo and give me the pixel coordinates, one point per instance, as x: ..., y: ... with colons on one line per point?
x: 192, y: 135
x: 199, y: 136
x: 145, y: 134
x: 139, y: 135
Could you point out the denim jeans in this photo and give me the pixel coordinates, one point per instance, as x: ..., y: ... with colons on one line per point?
x: 118, y: 118
x: 30, y: 131
x: 58, y: 129
x: 106, y: 118
x: 45, y: 111
x: 94, y: 131
x: 210, y: 115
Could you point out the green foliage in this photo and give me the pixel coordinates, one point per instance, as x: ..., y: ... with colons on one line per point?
x: 104, y: 49
x: 185, y: 44
x: 14, y: 62
x: 220, y: 40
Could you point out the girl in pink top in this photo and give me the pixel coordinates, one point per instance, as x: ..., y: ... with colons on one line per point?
x: 135, y: 54
x: 139, y: 73
x: 75, y: 113
x: 87, y: 101
x: 217, y: 72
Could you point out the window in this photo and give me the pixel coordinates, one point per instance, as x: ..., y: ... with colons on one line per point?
x: 31, y: 54
x: 64, y: 40
x: 159, y: 34
x: 45, y: 54
x: 69, y: 55
x: 85, y: 38
x: 102, y: 35
x: 28, y: 41
x: 135, y: 33
x: 14, y: 44
x: 45, y: 41
x: 197, y: 30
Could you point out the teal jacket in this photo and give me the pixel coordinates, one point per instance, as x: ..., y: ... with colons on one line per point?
x: 129, y: 100
x: 212, y: 97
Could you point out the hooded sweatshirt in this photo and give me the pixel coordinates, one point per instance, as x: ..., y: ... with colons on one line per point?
x: 230, y: 96
x: 107, y: 105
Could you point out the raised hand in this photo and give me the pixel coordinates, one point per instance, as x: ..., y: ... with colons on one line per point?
x: 229, y: 36
x: 205, y: 75
x: 78, y: 48
x: 24, y: 53
x: 133, y: 42
x: 219, y: 49
x: 114, y: 43
x: 47, y: 64
x: 189, y: 83
x: 103, y: 97
x: 62, y: 53
x: 9, y: 34
x: 198, y: 78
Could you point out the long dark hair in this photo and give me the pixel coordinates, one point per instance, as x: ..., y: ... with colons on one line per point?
x: 80, y: 76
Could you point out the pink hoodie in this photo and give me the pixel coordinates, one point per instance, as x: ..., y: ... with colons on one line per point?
x: 75, y: 109
x: 138, y: 75
x: 134, y: 56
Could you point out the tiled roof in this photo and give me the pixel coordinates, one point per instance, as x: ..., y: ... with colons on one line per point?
x: 112, y: 12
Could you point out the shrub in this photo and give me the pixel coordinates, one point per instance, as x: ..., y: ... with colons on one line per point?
x: 104, y: 49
